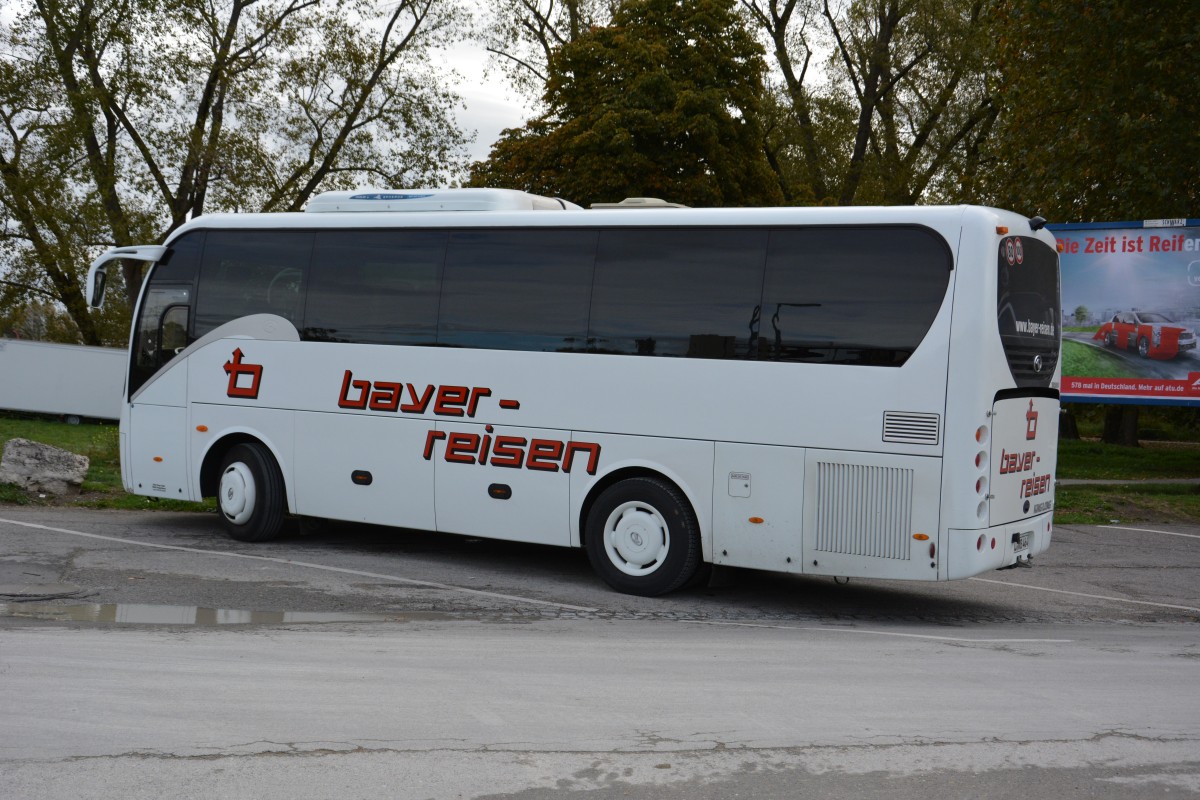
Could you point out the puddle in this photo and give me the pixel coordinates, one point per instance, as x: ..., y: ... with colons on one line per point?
x: 135, y: 614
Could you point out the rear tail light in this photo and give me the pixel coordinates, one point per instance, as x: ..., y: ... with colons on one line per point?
x: 982, y: 435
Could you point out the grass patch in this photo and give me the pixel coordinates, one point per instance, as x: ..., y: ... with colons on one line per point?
x: 13, y: 495
x: 1155, y: 423
x: 1100, y: 505
x: 1093, y: 460
x: 100, y: 442
x: 1082, y: 359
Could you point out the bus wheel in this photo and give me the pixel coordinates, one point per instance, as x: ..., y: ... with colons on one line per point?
x: 642, y: 537
x: 1144, y: 347
x: 250, y: 496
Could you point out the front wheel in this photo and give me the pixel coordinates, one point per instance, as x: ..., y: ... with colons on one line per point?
x: 642, y: 537
x: 1143, y: 347
x: 251, y: 495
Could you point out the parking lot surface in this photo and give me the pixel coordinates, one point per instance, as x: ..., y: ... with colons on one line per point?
x: 145, y: 652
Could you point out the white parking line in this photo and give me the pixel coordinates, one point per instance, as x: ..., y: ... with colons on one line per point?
x: 290, y: 562
x: 1081, y: 594
x: 870, y: 632
x: 1149, y: 530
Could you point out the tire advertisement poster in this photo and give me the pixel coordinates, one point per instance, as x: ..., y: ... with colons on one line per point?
x: 1131, y: 310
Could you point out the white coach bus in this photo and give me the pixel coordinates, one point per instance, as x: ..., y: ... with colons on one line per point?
x: 867, y: 392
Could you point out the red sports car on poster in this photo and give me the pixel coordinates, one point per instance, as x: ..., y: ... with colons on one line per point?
x: 1153, y: 335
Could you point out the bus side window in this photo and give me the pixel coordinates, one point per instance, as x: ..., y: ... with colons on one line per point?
x: 517, y: 289
x: 252, y: 272
x: 161, y: 329
x: 852, y: 295
x: 690, y: 293
x: 375, y: 287
x: 172, y: 333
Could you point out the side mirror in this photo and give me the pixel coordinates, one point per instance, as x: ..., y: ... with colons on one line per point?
x: 97, y: 274
x: 96, y: 294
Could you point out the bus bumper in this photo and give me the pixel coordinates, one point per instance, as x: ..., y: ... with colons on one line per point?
x: 972, y: 552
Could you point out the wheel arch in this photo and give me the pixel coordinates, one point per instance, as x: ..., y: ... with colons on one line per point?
x: 626, y: 471
x: 210, y: 462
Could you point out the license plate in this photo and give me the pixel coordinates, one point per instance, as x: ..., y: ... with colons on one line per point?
x: 1022, y: 541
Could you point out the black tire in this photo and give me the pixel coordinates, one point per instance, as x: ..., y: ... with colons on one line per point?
x: 1110, y: 339
x: 1143, y: 346
x: 250, y: 493
x: 642, y: 537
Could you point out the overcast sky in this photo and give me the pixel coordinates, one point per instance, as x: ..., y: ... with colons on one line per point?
x: 490, y: 105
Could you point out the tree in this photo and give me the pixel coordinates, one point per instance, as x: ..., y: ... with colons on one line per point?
x: 664, y: 101
x: 1081, y: 314
x: 1099, y: 109
x: 901, y: 108
x: 1099, y: 120
x: 122, y: 119
x: 523, y: 35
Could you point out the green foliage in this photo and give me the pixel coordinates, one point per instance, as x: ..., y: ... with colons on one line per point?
x: 522, y: 35
x: 1099, y: 98
x: 665, y: 102
x: 122, y: 119
x: 898, y: 110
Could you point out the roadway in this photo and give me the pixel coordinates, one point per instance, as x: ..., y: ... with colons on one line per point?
x: 150, y: 656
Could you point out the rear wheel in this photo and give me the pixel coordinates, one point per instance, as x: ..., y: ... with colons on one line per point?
x: 251, y: 495
x: 1144, y: 347
x: 642, y: 537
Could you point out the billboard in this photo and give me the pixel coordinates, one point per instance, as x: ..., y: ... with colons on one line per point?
x: 1131, y: 310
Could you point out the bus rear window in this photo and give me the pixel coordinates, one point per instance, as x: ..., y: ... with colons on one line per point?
x: 1028, y: 309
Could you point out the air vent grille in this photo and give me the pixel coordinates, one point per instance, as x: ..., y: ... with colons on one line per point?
x: 864, y: 511
x: 906, y: 427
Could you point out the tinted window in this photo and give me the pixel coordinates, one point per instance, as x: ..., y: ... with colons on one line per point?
x: 684, y: 292
x: 1027, y: 310
x: 379, y: 287
x: 252, y: 272
x: 161, y: 330
x: 851, y: 295
x: 517, y: 289
x: 182, y: 260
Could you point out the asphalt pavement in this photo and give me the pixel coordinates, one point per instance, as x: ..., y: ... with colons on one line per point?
x: 146, y: 655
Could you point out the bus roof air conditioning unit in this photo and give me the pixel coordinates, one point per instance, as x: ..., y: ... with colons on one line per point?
x: 435, y: 200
